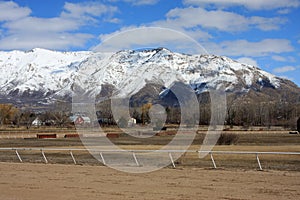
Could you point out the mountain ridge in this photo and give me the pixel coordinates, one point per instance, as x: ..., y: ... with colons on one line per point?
x: 42, y: 75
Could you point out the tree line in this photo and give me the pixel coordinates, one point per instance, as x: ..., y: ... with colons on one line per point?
x: 238, y: 113
x: 15, y: 117
x: 242, y: 113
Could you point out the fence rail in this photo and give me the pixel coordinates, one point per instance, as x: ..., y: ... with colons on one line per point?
x: 133, y: 152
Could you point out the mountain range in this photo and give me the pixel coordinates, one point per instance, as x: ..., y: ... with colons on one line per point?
x: 40, y: 76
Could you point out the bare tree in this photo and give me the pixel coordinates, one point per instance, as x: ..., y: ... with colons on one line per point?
x: 7, y: 113
x: 61, y: 113
x: 26, y: 118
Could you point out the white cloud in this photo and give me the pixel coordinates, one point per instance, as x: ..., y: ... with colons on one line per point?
x: 279, y: 58
x: 284, y: 11
x: 114, y: 20
x: 61, y: 32
x: 284, y: 69
x: 195, y: 32
x: 145, y: 2
x: 12, y: 11
x: 252, y: 49
x: 247, y: 60
x: 85, y: 11
x: 33, y: 24
x: 62, y: 41
x: 74, y: 16
x: 145, y: 37
x: 267, y: 24
x: 138, y: 2
x: 283, y: 58
x: 250, y: 4
x: 221, y: 20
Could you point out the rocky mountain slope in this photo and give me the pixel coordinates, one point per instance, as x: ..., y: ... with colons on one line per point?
x: 41, y: 76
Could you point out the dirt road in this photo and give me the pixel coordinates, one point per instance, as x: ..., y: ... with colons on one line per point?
x: 40, y: 181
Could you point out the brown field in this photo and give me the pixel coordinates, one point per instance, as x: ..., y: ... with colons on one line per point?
x: 236, y: 177
x: 40, y: 181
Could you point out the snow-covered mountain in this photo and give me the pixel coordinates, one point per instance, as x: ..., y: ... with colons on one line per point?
x: 42, y: 75
x: 38, y: 70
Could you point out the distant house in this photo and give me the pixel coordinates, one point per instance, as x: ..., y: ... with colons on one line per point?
x: 131, y: 122
x: 37, y: 122
x: 80, y: 120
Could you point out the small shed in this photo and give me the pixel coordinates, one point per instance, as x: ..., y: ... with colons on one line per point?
x: 36, y: 122
x: 131, y: 122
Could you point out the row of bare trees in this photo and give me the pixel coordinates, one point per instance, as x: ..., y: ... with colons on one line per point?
x: 238, y: 113
x: 11, y: 115
x: 263, y: 114
x: 15, y: 117
x: 243, y: 113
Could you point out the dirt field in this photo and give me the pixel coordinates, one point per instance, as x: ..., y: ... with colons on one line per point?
x: 40, y: 181
x: 193, y: 178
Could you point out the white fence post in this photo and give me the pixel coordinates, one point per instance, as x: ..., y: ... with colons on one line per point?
x: 135, y: 159
x: 20, y: 159
x: 213, y: 160
x: 103, y: 161
x: 170, y: 155
x: 258, y: 161
x: 71, y: 153
x: 46, y: 161
x: 137, y: 151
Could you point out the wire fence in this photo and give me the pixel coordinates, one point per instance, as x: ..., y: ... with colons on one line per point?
x: 82, y: 155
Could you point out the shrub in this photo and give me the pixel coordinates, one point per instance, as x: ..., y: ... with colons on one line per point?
x: 228, y: 139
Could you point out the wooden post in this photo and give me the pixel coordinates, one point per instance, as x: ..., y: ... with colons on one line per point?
x: 71, y: 153
x: 258, y: 161
x: 213, y: 160
x: 298, y: 125
x: 44, y: 156
x: 102, y: 157
x: 135, y: 159
x: 171, y: 158
x: 20, y: 159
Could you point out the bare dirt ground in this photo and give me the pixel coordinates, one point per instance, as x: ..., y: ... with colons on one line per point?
x: 40, y: 181
x: 193, y: 178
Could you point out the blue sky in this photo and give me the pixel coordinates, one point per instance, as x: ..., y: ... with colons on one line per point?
x: 265, y: 33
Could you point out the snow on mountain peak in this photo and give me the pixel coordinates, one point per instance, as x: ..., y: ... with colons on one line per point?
x: 53, y: 72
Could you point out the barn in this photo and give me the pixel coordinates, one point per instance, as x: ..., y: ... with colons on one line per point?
x: 80, y: 120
